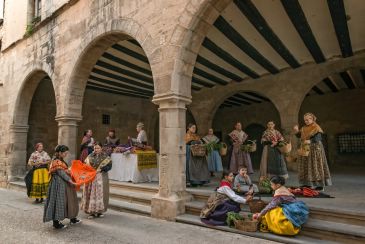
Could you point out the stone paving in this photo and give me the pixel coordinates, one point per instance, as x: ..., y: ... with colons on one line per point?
x: 21, y: 222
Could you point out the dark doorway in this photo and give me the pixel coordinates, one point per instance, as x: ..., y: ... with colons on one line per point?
x: 254, y: 132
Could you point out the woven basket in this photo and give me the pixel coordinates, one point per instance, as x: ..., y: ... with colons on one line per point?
x: 256, y: 205
x: 253, y: 147
x: 302, y: 152
x: 249, y: 147
x: 285, y: 148
x: 246, y: 225
x: 198, y: 150
x: 223, y: 149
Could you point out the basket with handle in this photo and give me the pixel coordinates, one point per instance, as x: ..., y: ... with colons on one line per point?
x: 198, y: 150
x: 246, y: 225
x: 304, y: 149
x: 285, y: 147
x: 256, y: 205
x: 223, y: 149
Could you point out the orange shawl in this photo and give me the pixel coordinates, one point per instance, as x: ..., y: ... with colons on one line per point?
x: 58, y: 164
x: 191, y: 137
x: 82, y: 173
x: 308, y: 131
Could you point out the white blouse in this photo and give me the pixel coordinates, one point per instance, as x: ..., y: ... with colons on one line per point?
x: 142, y: 136
x: 226, y: 190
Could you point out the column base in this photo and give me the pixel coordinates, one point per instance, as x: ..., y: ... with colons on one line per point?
x: 167, y: 208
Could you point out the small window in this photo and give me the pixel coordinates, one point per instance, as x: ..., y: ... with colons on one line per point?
x: 106, y: 119
x: 351, y: 143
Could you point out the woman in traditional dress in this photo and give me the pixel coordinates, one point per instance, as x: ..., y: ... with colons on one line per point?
x: 239, y: 158
x: 214, y: 159
x: 141, y: 140
x: 87, y: 144
x: 197, y: 172
x: 222, y: 202
x: 284, y: 215
x: 95, y: 197
x: 111, y: 142
x: 313, y: 169
x: 272, y: 161
x: 61, y: 200
x: 39, y: 161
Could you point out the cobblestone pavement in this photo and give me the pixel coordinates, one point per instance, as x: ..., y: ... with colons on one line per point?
x: 21, y: 222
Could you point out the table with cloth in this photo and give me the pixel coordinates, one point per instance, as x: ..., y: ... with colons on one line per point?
x: 139, y: 166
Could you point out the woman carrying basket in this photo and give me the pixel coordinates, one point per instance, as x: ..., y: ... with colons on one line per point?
x: 272, y: 161
x: 197, y: 172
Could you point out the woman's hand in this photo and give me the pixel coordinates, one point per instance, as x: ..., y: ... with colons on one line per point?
x: 256, y: 216
x: 296, y: 128
x: 307, y: 141
x: 248, y: 198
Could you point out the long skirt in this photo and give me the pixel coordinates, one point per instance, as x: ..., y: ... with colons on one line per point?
x: 219, y: 215
x: 313, y: 170
x: 61, y: 201
x: 215, y: 162
x: 240, y: 159
x: 275, y: 221
x: 272, y: 163
x: 197, y: 172
x: 95, y: 197
x: 40, y: 182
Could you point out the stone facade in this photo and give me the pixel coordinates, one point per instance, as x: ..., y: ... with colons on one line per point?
x: 69, y: 39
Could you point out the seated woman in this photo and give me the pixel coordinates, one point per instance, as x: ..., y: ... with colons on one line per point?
x: 243, y: 183
x: 284, y: 215
x: 222, y: 202
x: 111, y: 141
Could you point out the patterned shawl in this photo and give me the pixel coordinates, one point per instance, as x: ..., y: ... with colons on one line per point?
x: 98, y: 161
x: 282, y: 191
x: 308, y: 131
x: 210, y: 138
x: 191, y: 137
x: 272, y: 135
x: 57, y: 164
x: 39, y: 157
x: 225, y: 183
x: 238, y: 137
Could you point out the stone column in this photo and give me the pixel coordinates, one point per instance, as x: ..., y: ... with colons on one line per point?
x: 171, y: 197
x: 67, y: 134
x: 17, y: 152
x: 204, y: 122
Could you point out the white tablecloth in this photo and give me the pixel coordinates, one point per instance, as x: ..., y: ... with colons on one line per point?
x: 125, y: 168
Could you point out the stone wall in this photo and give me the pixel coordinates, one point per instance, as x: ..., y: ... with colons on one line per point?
x: 125, y: 113
x: 337, y: 113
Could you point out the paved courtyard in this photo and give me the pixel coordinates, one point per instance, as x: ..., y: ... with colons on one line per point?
x: 21, y: 222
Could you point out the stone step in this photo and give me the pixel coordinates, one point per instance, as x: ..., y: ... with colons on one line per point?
x: 141, y: 187
x: 139, y: 197
x: 328, y: 214
x: 300, y: 239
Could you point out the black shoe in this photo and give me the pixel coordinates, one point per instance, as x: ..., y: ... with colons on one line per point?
x: 100, y: 215
x: 40, y: 201
x: 319, y: 188
x: 75, y: 221
x: 58, y: 225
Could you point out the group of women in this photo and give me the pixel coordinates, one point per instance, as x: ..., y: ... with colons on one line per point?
x: 284, y: 215
x: 313, y: 168
x: 61, y: 195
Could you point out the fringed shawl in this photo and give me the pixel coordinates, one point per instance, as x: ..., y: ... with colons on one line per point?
x: 191, y: 137
x: 97, y: 161
x: 57, y: 164
x: 272, y: 135
x: 308, y: 131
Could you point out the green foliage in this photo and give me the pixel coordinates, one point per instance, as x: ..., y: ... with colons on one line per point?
x: 231, y: 217
x: 30, y: 27
x: 213, y: 146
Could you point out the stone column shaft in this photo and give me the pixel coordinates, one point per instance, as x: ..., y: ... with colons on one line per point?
x: 170, y: 200
x: 67, y: 134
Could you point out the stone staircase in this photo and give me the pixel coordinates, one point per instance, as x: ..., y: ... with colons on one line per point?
x: 323, y: 226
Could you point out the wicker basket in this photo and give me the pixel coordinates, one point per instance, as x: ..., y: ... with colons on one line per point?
x: 256, y: 205
x: 249, y: 147
x: 223, y: 149
x: 286, y: 148
x: 246, y: 225
x: 253, y: 147
x: 198, y: 150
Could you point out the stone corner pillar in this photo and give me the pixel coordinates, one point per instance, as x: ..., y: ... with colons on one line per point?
x: 67, y: 134
x: 170, y: 200
x: 17, y: 152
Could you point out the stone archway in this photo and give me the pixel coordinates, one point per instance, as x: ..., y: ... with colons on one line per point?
x: 25, y: 127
